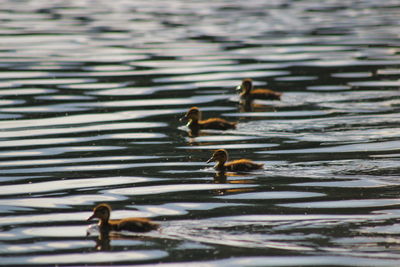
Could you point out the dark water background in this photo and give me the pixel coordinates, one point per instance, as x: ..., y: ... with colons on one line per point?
x: 91, y: 93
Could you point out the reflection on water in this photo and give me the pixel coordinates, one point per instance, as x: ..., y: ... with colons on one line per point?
x: 91, y: 96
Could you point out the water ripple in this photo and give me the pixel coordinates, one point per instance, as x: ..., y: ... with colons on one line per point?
x: 92, y: 93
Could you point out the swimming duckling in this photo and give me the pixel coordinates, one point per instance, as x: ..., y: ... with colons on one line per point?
x: 103, y: 211
x: 249, y: 93
x: 195, y: 122
x: 240, y: 165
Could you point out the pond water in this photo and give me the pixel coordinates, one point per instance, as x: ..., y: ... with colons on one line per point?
x: 91, y: 96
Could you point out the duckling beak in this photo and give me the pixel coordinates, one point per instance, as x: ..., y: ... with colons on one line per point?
x: 210, y: 160
x: 91, y: 217
x: 183, y: 118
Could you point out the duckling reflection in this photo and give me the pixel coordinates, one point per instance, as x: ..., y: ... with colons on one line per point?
x: 240, y: 165
x: 221, y: 177
x: 248, y: 93
x: 251, y: 106
x: 103, y: 241
x: 195, y: 122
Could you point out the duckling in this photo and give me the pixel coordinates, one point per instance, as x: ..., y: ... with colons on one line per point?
x: 240, y: 165
x: 195, y: 122
x: 249, y: 93
x: 103, y: 211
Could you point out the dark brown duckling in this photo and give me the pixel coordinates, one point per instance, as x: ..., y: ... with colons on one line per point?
x: 196, y: 123
x: 103, y: 211
x: 248, y: 93
x: 240, y: 165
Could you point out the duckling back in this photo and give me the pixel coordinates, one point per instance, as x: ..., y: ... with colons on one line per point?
x: 133, y: 225
x: 266, y: 94
x: 242, y: 165
x: 217, y: 124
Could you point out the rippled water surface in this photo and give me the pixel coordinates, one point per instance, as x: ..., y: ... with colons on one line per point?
x: 91, y: 96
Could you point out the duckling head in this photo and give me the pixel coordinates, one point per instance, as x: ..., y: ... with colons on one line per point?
x: 193, y: 114
x: 246, y: 86
x: 220, y: 156
x: 102, y: 212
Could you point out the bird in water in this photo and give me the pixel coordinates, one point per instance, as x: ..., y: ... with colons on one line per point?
x: 240, y: 165
x: 103, y: 212
x: 248, y: 93
x: 196, y: 123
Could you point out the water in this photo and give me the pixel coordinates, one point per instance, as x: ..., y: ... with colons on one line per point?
x: 91, y: 96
